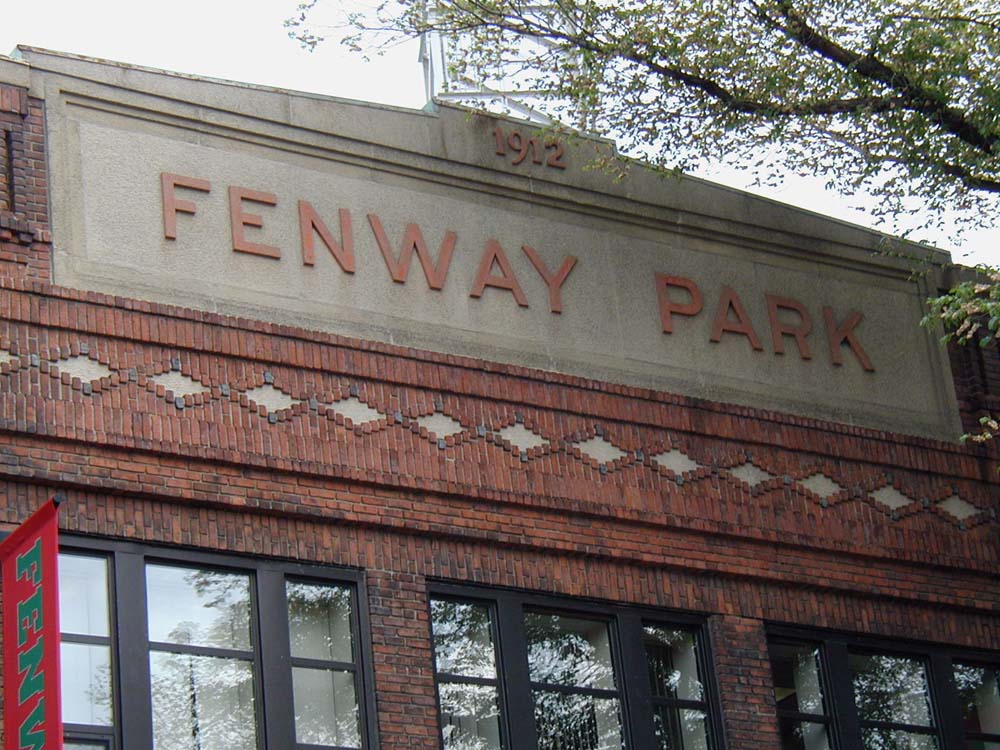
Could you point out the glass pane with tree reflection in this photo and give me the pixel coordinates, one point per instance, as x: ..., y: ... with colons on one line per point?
x: 470, y: 716
x: 892, y: 690
x: 575, y: 654
x: 571, y: 721
x: 679, y: 709
x: 198, y: 607
x: 569, y: 651
x: 202, y: 702
x: 979, y: 695
x: 319, y: 621
x: 326, y: 707
x: 465, y: 662
x: 798, y: 692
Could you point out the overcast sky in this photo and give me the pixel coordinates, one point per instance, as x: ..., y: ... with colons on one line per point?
x: 245, y: 41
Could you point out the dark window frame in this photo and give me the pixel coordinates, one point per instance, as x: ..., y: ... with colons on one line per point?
x: 938, y: 659
x: 507, y: 609
x: 130, y: 647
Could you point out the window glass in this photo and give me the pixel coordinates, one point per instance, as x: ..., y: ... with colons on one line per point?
x: 673, y: 663
x: 572, y: 721
x: 463, y: 639
x: 324, y: 678
x: 194, y: 607
x: 798, y: 694
x: 326, y: 707
x: 679, y: 711
x: 979, y: 695
x: 575, y: 653
x: 465, y: 663
x: 85, y: 648
x: 569, y: 651
x: 202, y: 702
x: 319, y: 621
x: 890, y: 689
x: 83, y: 595
x: 85, y: 672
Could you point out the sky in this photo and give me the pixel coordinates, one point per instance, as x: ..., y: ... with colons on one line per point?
x: 246, y: 41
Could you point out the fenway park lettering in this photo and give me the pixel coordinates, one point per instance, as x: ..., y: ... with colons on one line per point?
x: 789, y: 328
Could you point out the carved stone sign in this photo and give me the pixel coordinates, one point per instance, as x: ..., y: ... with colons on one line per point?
x: 445, y: 232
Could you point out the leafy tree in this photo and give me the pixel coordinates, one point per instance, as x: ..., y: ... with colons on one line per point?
x: 899, y: 99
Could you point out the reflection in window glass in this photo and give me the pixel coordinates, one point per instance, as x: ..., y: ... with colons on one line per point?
x: 464, y: 651
x: 892, y: 690
x: 321, y: 642
x: 198, y: 607
x: 798, y: 693
x: 470, y: 716
x: 85, y: 648
x: 570, y: 721
x: 319, y: 621
x: 979, y: 695
x: 85, y: 673
x: 684, y: 729
x: 576, y: 654
x: 202, y: 702
x: 463, y: 641
x: 679, y: 709
x: 83, y: 595
x: 569, y: 651
x: 876, y: 738
x: 326, y: 707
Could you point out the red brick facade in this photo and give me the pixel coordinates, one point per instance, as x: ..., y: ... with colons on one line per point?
x: 214, y: 470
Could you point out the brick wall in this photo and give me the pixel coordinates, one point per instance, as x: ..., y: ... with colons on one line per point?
x: 178, y: 427
x: 25, y: 239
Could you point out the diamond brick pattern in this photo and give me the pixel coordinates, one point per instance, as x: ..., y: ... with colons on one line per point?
x: 440, y: 425
x: 83, y: 367
x: 356, y: 410
x: 604, y: 451
x: 820, y: 484
x: 270, y: 398
x: 750, y: 474
x: 521, y: 437
x: 891, y: 498
x: 675, y: 460
x: 178, y: 384
x: 958, y: 508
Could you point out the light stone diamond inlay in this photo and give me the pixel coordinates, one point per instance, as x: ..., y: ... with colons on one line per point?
x: 750, y: 474
x: 178, y: 384
x: 521, y: 437
x: 602, y: 450
x: 891, y: 497
x: 270, y: 398
x: 440, y: 425
x: 676, y: 461
x: 356, y: 410
x: 83, y: 367
x: 958, y: 507
x: 820, y: 484
x: 6, y: 357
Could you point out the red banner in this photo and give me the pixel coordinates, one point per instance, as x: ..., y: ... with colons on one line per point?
x: 29, y: 559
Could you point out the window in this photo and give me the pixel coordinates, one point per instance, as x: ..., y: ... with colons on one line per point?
x: 521, y: 671
x: 839, y: 692
x: 201, y: 652
x: 979, y: 699
x: 798, y: 690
